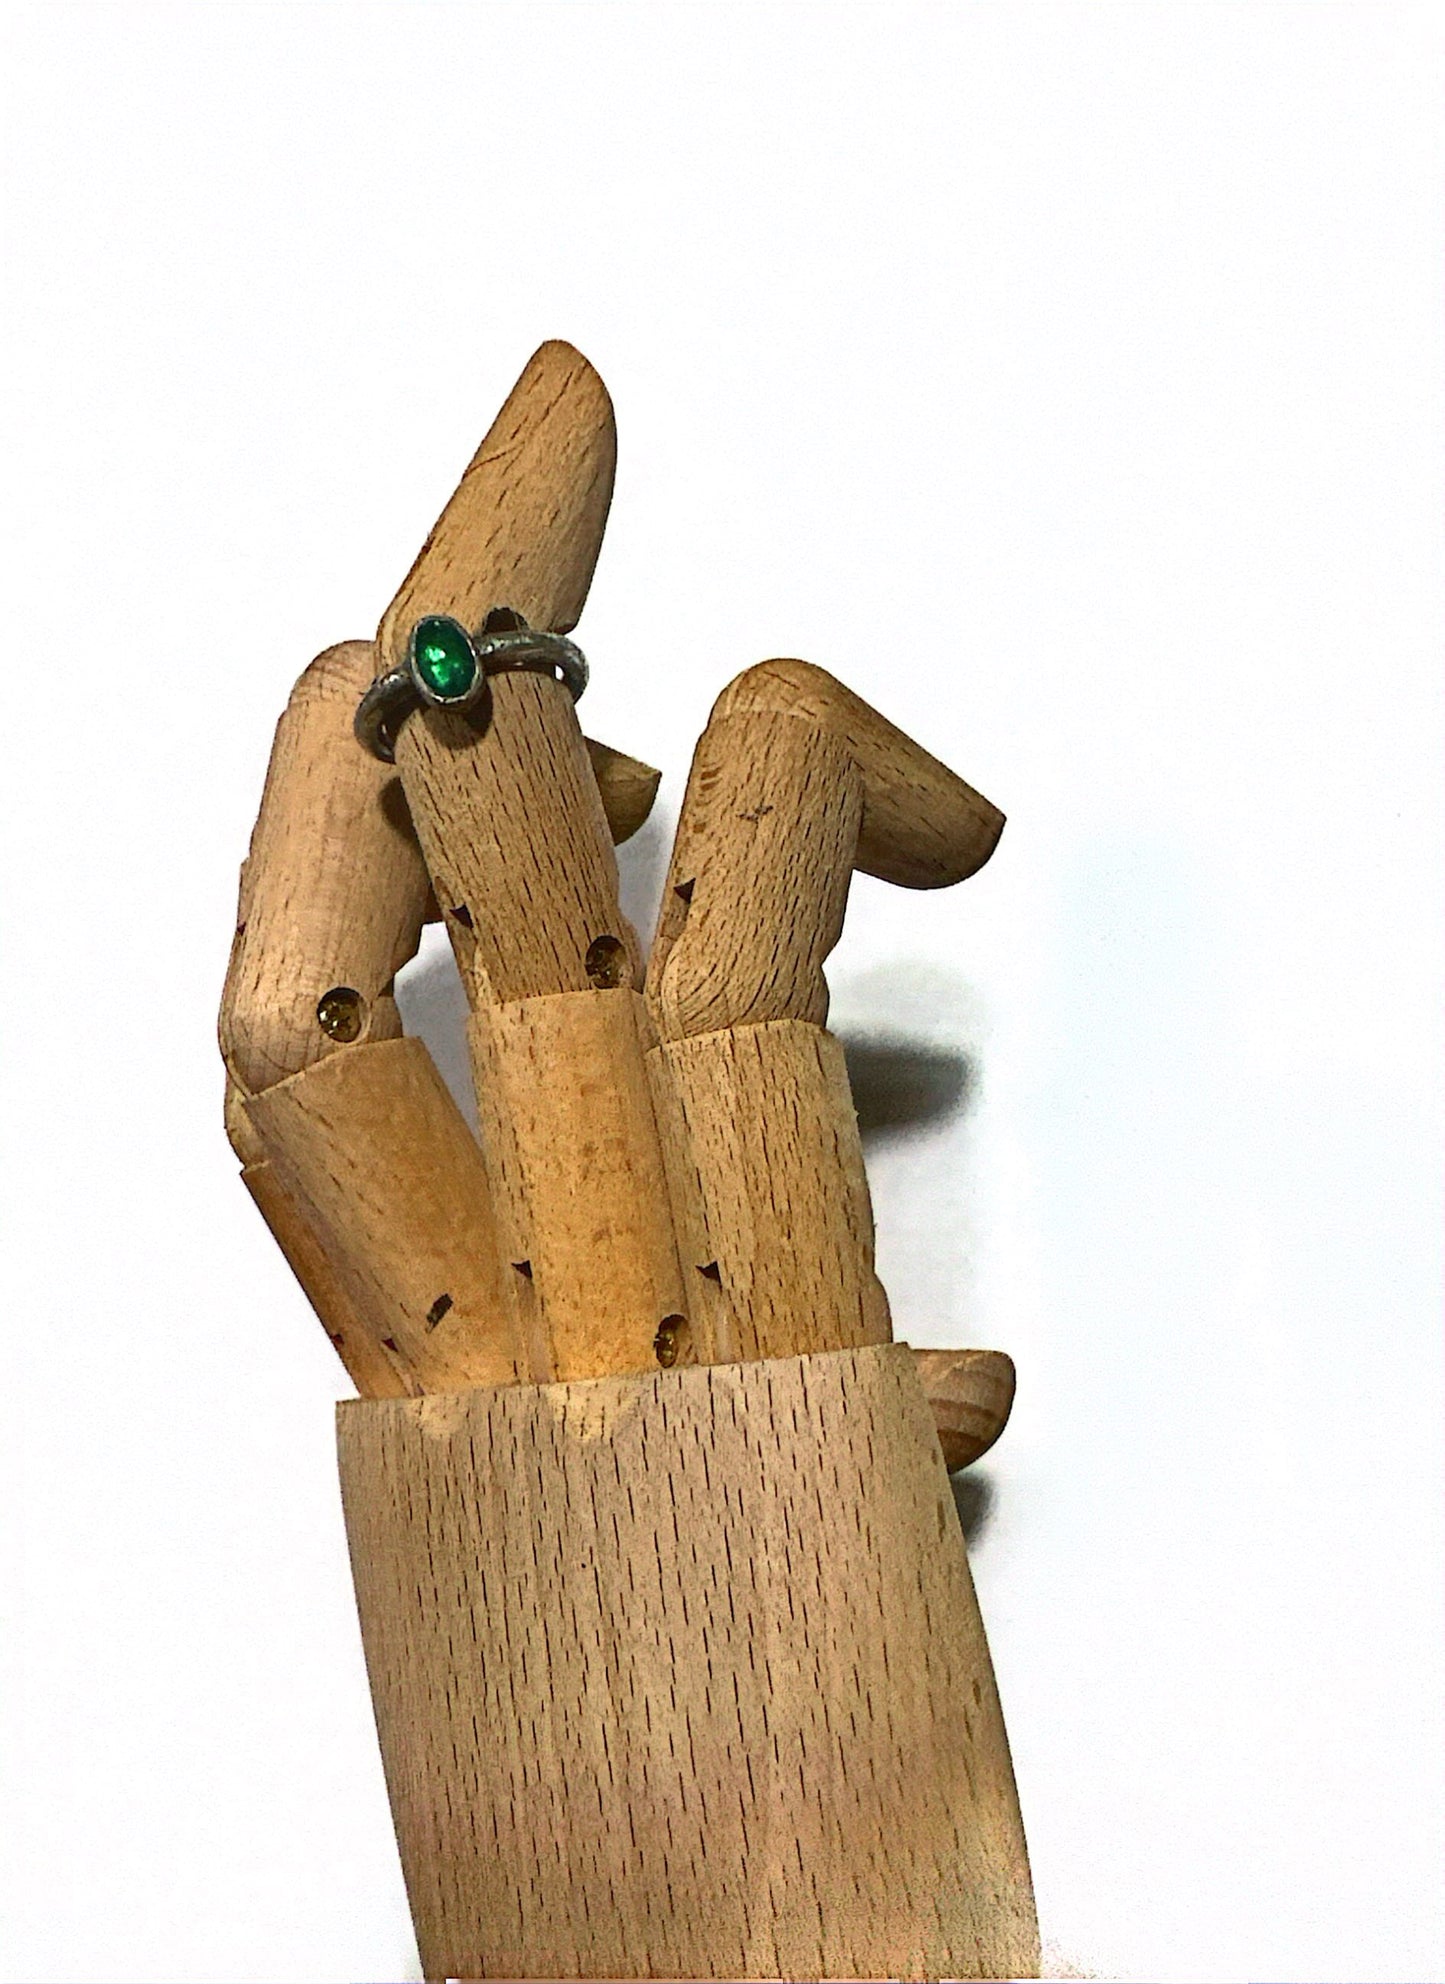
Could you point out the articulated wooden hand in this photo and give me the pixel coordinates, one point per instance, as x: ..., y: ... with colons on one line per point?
x: 635, y: 1718
x: 350, y: 1143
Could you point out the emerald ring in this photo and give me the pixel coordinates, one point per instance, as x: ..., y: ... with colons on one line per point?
x: 449, y: 669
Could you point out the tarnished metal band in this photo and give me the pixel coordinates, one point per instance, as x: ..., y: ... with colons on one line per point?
x: 380, y: 713
x: 393, y: 696
x: 544, y: 654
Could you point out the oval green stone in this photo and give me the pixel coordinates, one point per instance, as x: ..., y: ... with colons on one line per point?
x: 442, y: 657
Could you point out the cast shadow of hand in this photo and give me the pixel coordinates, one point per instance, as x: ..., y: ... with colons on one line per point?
x: 901, y: 1084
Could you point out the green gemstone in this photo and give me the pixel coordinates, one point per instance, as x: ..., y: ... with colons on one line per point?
x: 443, y: 658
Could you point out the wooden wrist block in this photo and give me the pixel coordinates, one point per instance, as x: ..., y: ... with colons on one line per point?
x: 682, y: 1675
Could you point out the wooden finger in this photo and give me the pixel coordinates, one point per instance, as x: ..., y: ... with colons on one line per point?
x: 516, y: 839
x: 524, y: 526
x: 580, y: 1187
x: 514, y: 833
x: 922, y: 826
x: 794, y: 783
x: 767, y: 1172
x: 517, y: 844
x: 759, y: 877
x: 371, y: 1369
x: 372, y: 1146
x: 628, y: 788
x: 516, y: 916
x: 333, y: 892
x: 971, y: 1393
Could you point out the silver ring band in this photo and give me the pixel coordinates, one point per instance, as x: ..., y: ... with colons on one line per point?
x: 379, y: 715
x: 529, y: 647
x: 394, y: 695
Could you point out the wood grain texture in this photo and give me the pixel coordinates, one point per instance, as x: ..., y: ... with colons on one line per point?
x: 374, y: 1150
x: 322, y: 1280
x: 759, y: 876
x: 517, y: 844
x: 766, y: 1174
x: 628, y: 788
x: 922, y: 826
x: 334, y: 890
x: 683, y: 1676
x: 524, y: 526
x: 795, y: 782
x: 517, y: 841
x: 513, y: 829
x: 971, y: 1394
x: 581, y: 1193
x: 366, y: 1363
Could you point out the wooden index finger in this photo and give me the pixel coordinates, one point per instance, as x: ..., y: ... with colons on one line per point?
x: 524, y: 526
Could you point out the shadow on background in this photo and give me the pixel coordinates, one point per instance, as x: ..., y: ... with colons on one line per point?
x: 901, y: 1085
x: 973, y: 1497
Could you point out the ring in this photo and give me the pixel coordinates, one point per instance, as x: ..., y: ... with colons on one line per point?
x: 530, y: 648
x: 447, y: 668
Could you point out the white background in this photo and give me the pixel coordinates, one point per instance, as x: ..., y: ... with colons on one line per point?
x: 1067, y: 379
